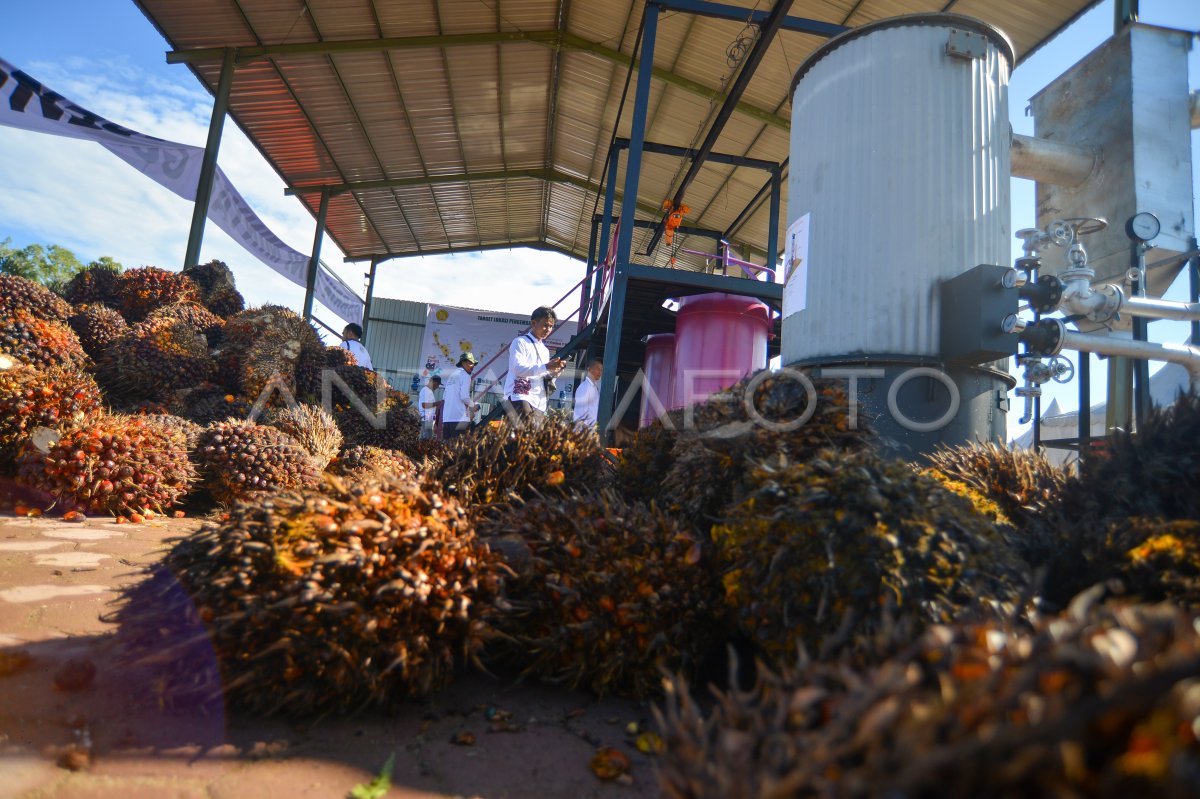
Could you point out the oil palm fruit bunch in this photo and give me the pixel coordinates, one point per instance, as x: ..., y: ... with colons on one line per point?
x: 186, y: 432
x: 21, y: 294
x: 311, y: 427
x: 1099, y: 702
x: 148, y: 288
x: 429, y: 452
x: 208, y: 403
x: 242, y: 460
x: 785, y: 412
x: 642, y: 464
x: 360, y: 462
x: 42, y: 342
x: 607, y: 594
x: 96, y: 284
x: 270, y: 345
x: 218, y: 292
x: 353, y: 387
x: 191, y: 313
x: 156, y: 359
x: 315, y: 602
x: 823, y: 553
x: 97, y: 327
x: 51, y: 397
x: 496, y: 464
x: 116, y: 464
x: 398, y: 427
x: 338, y: 356
x: 1156, y: 559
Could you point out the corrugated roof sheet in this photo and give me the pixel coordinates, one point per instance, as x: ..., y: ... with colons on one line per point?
x: 460, y: 124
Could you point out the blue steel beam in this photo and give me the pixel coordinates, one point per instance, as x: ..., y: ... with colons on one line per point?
x: 612, y: 349
x: 770, y: 293
x: 637, y: 135
x: 610, y: 196
x: 754, y: 17
x: 773, y: 219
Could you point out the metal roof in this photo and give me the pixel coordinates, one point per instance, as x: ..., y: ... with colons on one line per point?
x: 458, y: 125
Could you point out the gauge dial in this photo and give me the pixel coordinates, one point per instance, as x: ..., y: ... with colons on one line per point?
x: 1143, y: 226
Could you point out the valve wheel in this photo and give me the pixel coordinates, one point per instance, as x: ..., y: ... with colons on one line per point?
x: 1060, y: 373
x: 1083, y: 225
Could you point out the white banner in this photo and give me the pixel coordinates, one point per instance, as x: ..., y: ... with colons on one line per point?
x: 27, y: 104
x: 451, y: 331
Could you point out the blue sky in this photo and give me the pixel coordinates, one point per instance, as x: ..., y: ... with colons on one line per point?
x: 105, y: 55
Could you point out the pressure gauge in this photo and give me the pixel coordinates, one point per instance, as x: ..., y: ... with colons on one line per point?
x: 1143, y: 226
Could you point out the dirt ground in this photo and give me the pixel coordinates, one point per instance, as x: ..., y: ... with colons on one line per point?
x: 103, y: 736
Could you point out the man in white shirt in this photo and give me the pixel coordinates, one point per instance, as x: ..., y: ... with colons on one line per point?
x: 458, y: 406
x: 352, y: 340
x: 428, y: 404
x: 587, y: 396
x: 529, y: 364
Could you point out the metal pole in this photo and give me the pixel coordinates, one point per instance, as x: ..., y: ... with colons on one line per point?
x: 637, y: 135
x: 1194, y: 280
x: 315, y: 262
x: 208, y: 166
x: 585, y: 293
x: 773, y: 222
x: 1085, y: 402
x: 370, y: 296
x: 612, y: 351
x: 1141, y: 368
x: 610, y: 198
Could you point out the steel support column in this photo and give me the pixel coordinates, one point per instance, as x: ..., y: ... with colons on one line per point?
x: 612, y: 350
x: 637, y: 135
x: 1085, y: 403
x: 370, y: 296
x: 773, y: 221
x: 1194, y: 282
x: 208, y: 166
x: 585, y: 296
x: 610, y: 197
x: 314, y: 263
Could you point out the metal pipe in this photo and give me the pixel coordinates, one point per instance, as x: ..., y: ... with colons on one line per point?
x: 1052, y: 162
x: 1161, y: 309
x: 1194, y: 106
x: 1185, y: 355
x: 314, y: 263
x: 370, y: 297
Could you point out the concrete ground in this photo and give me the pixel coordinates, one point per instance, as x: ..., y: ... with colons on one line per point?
x: 65, y: 733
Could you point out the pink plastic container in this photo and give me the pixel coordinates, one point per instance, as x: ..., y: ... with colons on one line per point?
x: 719, y: 339
x: 659, y: 367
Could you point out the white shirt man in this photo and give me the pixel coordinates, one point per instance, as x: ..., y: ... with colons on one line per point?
x: 529, y: 363
x: 427, y: 403
x: 350, y: 341
x: 458, y: 408
x: 587, y: 396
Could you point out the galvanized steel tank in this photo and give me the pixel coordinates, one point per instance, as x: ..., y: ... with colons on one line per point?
x: 900, y: 174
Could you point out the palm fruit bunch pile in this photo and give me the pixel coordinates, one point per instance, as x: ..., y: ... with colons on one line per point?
x: 825, y: 552
x: 497, y: 464
x: 312, y: 428
x: 95, y: 285
x: 148, y: 288
x: 242, y: 460
x: 317, y: 602
x: 97, y: 326
x: 607, y: 594
x: 1100, y: 702
x: 359, y: 462
x: 1134, y: 512
x: 192, y: 314
x: 218, y: 292
x: 116, y: 464
x: 55, y: 398
x: 644, y: 462
x: 767, y: 413
x: 185, y: 431
x: 1022, y: 489
x: 154, y: 360
x: 33, y: 326
x: 368, y: 411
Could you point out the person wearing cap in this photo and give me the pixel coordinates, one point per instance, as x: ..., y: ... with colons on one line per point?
x: 429, y: 405
x: 529, y: 365
x: 458, y: 406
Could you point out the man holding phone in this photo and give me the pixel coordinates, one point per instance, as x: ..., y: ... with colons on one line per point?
x: 529, y: 365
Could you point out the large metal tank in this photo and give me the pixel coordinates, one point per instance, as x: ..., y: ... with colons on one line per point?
x: 659, y: 369
x: 719, y: 339
x: 899, y: 179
